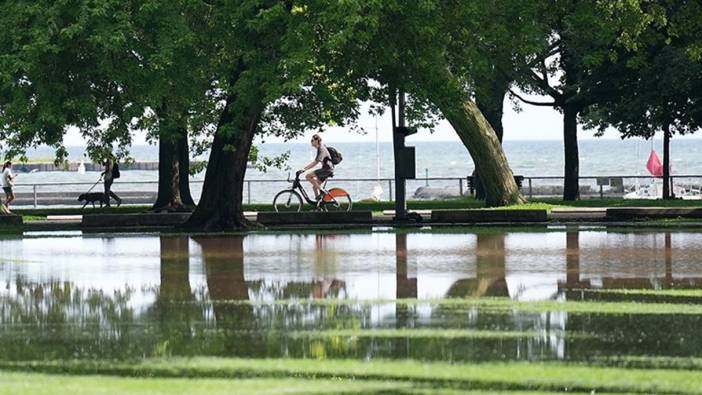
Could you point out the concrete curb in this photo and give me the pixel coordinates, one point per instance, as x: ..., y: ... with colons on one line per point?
x: 315, y: 218
x: 134, y: 220
x: 45, y: 226
x: 628, y: 213
x: 480, y: 216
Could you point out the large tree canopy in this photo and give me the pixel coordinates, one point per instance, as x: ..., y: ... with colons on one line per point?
x: 576, y: 68
x: 229, y: 71
x: 106, y: 68
x: 389, y: 46
x: 656, y: 85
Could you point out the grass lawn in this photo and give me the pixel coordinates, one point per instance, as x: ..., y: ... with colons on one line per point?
x: 51, y: 384
x: 621, y: 203
x: 208, y: 375
x: 378, y: 207
x: 463, y: 203
x: 504, y: 304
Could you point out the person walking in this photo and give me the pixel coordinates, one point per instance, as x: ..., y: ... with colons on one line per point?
x: 8, y: 182
x: 111, y: 172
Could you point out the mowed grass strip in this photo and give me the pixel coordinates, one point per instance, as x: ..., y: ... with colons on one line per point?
x: 52, y: 384
x: 499, y: 304
x: 14, y: 383
x: 517, y: 376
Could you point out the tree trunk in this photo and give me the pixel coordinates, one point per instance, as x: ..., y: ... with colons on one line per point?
x: 172, y: 172
x: 571, y: 172
x: 184, y: 171
x: 490, y: 100
x: 168, y: 198
x: 666, y: 163
x: 484, y: 147
x: 220, y: 206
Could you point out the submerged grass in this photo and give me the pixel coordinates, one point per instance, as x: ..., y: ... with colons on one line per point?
x: 652, y: 362
x: 407, y: 333
x: 503, y: 304
x: 652, y: 292
x: 519, y: 376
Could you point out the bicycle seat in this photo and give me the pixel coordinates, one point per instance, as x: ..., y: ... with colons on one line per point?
x: 325, y: 179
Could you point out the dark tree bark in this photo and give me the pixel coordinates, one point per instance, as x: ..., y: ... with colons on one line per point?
x: 184, y: 171
x: 168, y: 198
x: 220, y: 206
x: 571, y: 171
x: 490, y: 100
x: 667, y: 194
x: 173, y: 157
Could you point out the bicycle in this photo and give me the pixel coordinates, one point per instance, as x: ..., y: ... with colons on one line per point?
x: 290, y: 200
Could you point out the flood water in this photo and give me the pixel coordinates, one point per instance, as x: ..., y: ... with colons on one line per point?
x: 367, y: 295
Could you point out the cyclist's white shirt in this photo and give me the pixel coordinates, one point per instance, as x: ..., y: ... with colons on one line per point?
x: 324, y: 158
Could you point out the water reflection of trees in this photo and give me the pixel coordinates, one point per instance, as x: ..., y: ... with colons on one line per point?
x: 624, y: 334
x: 490, y: 281
x: 576, y: 288
x: 58, y: 319
x: 232, y: 316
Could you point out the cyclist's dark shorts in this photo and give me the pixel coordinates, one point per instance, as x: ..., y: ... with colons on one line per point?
x: 322, y: 174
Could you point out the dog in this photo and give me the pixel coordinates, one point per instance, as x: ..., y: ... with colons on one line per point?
x: 92, y: 198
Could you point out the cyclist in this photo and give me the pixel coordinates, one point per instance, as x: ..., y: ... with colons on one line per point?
x: 317, y: 177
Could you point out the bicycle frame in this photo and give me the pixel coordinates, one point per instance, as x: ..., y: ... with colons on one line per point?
x: 330, y: 198
x: 297, y: 186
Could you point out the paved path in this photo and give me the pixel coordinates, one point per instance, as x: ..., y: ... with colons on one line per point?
x: 561, y: 216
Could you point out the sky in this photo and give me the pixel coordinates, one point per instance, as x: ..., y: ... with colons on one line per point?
x: 531, y: 123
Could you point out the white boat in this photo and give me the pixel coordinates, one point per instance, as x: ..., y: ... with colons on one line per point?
x: 654, y: 191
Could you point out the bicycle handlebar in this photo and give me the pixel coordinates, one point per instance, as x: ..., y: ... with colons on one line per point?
x: 297, y: 175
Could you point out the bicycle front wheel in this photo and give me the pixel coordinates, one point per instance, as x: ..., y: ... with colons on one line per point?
x: 287, y: 201
x: 337, y: 199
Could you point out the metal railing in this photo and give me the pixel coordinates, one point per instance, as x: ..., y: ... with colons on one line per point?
x: 262, y: 191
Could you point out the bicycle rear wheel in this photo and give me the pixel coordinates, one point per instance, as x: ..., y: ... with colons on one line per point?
x: 337, y: 199
x: 287, y: 201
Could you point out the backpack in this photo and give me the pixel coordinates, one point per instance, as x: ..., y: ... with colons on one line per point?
x: 115, y: 170
x: 335, y: 155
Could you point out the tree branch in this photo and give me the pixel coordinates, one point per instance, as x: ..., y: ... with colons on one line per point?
x: 543, y: 84
x: 533, y: 103
x: 551, y: 50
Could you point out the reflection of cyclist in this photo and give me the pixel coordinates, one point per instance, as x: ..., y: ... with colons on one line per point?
x: 317, y: 177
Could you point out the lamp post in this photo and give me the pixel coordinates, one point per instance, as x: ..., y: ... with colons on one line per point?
x: 405, y: 164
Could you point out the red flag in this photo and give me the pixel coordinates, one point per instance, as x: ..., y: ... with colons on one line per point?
x: 654, y: 165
